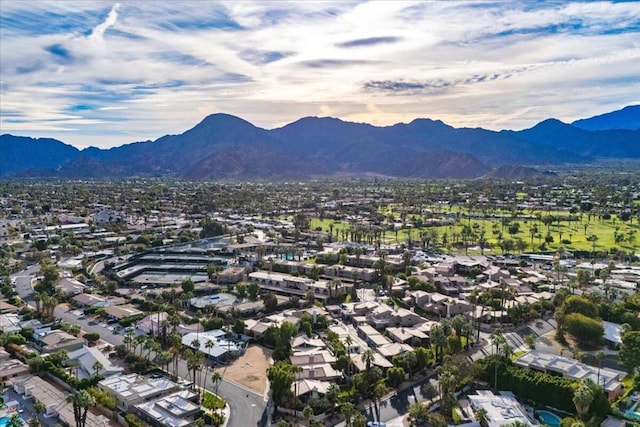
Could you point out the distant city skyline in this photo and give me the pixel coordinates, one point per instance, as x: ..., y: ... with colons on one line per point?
x: 97, y: 73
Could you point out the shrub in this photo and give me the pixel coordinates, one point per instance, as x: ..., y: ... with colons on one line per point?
x: 583, y: 328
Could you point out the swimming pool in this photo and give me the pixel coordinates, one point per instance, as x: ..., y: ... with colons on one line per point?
x: 5, y: 421
x: 549, y: 418
x: 629, y: 414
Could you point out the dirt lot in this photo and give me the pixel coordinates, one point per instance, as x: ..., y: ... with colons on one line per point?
x: 250, y: 369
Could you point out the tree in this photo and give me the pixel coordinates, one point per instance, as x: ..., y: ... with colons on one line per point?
x: 418, y: 414
x: 582, y: 398
x: 347, y: 409
x: 359, y: 420
x: 281, y: 377
x: 583, y: 328
x: 187, y: 285
x: 307, y: 413
x: 253, y: 289
x: 395, y: 376
x: 216, y: 379
x: 367, y: 358
x: 630, y: 350
x: 270, y: 301
x: 530, y: 341
x: 238, y: 326
x: 81, y: 401
x: 482, y: 416
x: 14, y: 421
x: 332, y: 395
x: 97, y: 367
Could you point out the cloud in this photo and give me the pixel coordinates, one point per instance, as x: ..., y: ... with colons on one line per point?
x: 370, y: 41
x: 98, y: 32
x: 335, y: 63
x: 259, y: 57
x: 152, y: 68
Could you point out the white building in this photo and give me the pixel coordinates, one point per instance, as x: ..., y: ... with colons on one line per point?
x: 213, y: 344
x: 175, y: 410
x: 90, y: 360
x: 289, y: 285
x: 610, y: 379
x: 131, y: 389
x: 501, y: 410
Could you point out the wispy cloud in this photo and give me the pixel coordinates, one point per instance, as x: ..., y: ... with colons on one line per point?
x: 98, y: 32
x: 369, y: 41
x: 109, y: 73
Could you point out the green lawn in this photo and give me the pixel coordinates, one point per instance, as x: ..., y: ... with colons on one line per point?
x: 211, y: 401
x: 573, y: 233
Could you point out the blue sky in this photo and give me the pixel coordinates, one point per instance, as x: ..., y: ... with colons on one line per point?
x: 107, y: 73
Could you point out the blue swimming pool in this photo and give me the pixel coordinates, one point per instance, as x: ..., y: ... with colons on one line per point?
x: 5, y: 421
x: 629, y: 414
x: 549, y: 418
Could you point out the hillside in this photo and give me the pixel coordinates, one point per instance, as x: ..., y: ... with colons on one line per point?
x: 222, y: 146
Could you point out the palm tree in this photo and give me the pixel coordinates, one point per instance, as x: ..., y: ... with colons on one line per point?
x: 600, y: 356
x: 438, y: 339
x: 349, y: 342
x: 15, y: 421
x: 81, y: 401
x: 332, y: 395
x: 379, y: 391
x: 582, y: 398
x: 216, y: 379
x: 97, y: 367
x: 367, y: 358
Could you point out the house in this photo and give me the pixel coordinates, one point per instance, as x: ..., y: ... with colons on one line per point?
x: 55, y: 402
x: 500, y: 410
x: 11, y: 368
x: 107, y: 215
x: 120, y: 312
x: 70, y: 286
x: 289, y: 285
x: 5, y: 307
x: 131, y: 389
x: 610, y: 379
x: 612, y: 334
x: 91, y: 360
x: 53, y: 341
x: 393, y: 349
x: 176, y: 410
x: 213, y: 344
x: 312, y: 388
x: 312, y: 357
x: 10, y: 323
x: 407, y: 335
x: 443, y: 305
x: 231, y: 276
x: 89, y: 300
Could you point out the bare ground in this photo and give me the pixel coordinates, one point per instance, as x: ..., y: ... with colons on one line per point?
x: 250, y: 369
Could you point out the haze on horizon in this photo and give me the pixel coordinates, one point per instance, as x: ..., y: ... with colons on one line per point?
x: 105, y: 73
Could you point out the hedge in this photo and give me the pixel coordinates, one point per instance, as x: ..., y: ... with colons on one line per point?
x: 542, y: 388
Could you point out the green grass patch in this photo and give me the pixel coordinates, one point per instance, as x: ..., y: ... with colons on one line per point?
x: 211, y: 401
x: 517, y: 354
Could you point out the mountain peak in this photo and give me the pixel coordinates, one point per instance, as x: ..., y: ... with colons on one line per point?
x: 626, y: 118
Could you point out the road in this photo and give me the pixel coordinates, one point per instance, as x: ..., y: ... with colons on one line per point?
x: 396, y: 406
x: 247, y: 407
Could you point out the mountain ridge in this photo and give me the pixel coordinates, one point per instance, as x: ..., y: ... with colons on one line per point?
x: 226, y: 146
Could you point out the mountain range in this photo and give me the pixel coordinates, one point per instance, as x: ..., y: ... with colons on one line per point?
x: 227, y: 147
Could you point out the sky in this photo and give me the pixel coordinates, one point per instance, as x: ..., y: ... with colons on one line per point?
x: 98, y: 73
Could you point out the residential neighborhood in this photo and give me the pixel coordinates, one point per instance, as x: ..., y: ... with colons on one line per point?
x: 165, y: 317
